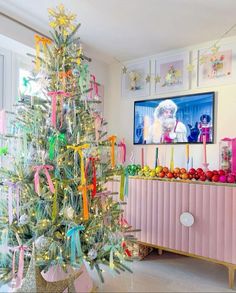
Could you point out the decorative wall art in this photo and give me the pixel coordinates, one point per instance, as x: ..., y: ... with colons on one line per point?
x: 136, y: 79
x: 171, y: 73
x: 216, y: 66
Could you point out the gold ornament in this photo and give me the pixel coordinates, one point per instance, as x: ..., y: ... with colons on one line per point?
x: 157, y: 79
x: 124, y: 70
x: 148, y: 78
x: 62, y: 19
x: 34, y: 281
x: 190, y: 67
x: 203, y: 59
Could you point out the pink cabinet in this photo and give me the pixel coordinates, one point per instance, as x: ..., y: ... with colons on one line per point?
x: 155, y: 207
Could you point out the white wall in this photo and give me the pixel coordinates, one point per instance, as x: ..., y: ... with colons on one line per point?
x: 119, y: 114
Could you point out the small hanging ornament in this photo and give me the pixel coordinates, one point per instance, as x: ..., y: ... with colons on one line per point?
x: 92, y: 254
x: 69, y: 213
x: 24, y: 219
x: 41, y: 243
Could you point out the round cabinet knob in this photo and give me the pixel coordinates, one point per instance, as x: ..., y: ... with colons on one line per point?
x: 186, y: 219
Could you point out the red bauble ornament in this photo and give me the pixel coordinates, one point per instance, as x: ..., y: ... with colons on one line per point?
x: 162, y: 174
x: 203, y: 177
x: 209, y: 174
x: 170, y: 175
x: 215, y: 178
x: 221, y: 172
x: 199, y: 171
x: 192, y: 171
x: 230, y: 178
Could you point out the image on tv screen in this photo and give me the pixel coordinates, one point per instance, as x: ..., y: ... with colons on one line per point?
x: 180, y: 119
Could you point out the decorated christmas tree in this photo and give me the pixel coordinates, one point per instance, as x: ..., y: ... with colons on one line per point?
x: 56, y: 160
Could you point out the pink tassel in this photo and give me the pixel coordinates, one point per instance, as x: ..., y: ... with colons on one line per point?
x: 20, y: 272
x: 54, y: 106
x: 10, y: 208
x: 44, y: 168
x: 123, y: 150
x: 97, y: 125
x: 94, y: 86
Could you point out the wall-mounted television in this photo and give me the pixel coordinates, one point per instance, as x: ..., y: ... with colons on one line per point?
x: 175, y: 120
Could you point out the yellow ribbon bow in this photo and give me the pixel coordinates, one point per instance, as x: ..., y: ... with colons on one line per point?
x: 112, y: 139
x: 83, y: 188
x: 80, y: 149
x: 44, y: 41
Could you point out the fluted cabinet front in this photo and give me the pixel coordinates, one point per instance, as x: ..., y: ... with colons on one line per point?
x: 155, y: 207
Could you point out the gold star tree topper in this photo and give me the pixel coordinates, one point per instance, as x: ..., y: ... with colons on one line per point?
x: 62, y: 19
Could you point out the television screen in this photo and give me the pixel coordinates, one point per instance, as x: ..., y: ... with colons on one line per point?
x: 180, y: 119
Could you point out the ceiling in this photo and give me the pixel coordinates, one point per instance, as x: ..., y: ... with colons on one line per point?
x: 129, y: 29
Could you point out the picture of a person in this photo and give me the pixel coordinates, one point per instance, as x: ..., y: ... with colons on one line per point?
x: 205, y: 128
x: 173, y: 130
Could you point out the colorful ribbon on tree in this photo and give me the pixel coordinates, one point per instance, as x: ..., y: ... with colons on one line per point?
x: 112, y: 139
x: 16, y: 187
x: 44, y: 168
x: 126, y: 250
x: 94, y: 177
x: 114, y: 248
x: 80, y: 149
x: 54, y: 204
x: 75, y: 245
x: 122, y: 145
x: 44, y: 41
x: 83, y: 189
x: 20, y: 271
x: 103, y: 195
x: 97, y: 124
x: 122, y: 184
x: 65, y: 75
x: 126, y: 187
x: 54, y: 95
x: 57, y: 138
x: 93, y: 86
x: 3, y: 151
x: 83, y: 80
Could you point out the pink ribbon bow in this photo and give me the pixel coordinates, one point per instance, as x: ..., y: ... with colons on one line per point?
x: 122, y: 145
x: 54, y: 95
x: 97, y: 124
x: 20, y: 271
x: 44, y: 168
x: 94, y: 86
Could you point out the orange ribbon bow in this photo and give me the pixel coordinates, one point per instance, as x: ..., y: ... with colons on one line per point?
x: 44, y: 41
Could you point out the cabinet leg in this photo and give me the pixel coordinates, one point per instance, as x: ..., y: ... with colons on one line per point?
x: 160, y: 251
x: 231, y: 277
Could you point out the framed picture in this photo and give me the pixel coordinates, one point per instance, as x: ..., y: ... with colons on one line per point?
x: 217, y: 65
x: 175, y: 120
x: 136, y: 79
x: 171, y: 73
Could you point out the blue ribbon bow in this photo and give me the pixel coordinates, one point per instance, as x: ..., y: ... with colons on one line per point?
x: 75, y: 245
